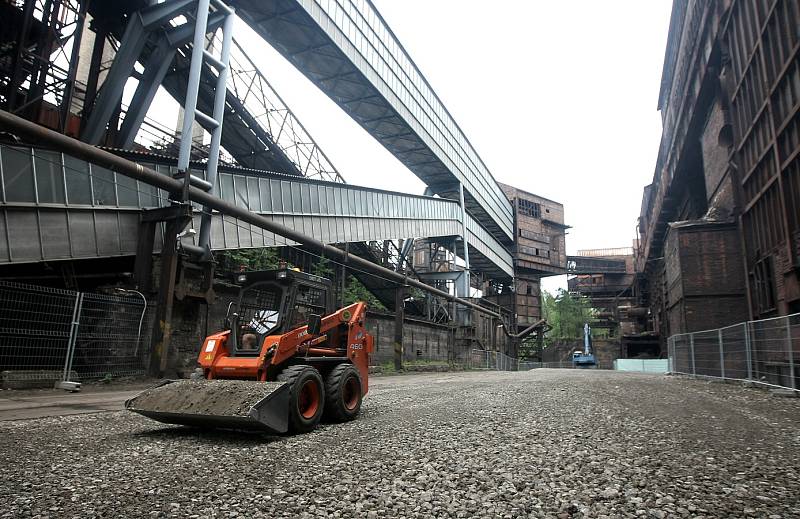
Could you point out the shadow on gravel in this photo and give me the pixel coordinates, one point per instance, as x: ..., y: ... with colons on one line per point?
x: 215, y: 436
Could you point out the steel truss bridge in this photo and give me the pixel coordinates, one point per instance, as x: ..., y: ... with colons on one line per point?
x: 54, y: 206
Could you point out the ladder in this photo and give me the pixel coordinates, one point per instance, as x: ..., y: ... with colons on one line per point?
x: 214, y: 120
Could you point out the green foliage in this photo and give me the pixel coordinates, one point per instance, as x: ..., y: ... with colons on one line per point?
x: 355, y: 291
x: 323, y: 268
x: 566, y: 314
x: 530, y: 348
x: 248, y: 259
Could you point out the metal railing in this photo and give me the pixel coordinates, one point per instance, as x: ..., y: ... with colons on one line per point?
x: 765, y: 352
x: 495, y: 360
x: 51, y: 335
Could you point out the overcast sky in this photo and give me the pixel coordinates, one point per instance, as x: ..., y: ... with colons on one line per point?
x: 558, y: 98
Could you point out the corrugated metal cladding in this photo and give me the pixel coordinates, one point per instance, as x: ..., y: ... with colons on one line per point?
x: 58, y: 207
x: 347, y: 49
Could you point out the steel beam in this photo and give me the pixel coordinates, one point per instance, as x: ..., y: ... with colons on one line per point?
x: 110, y: 94
x: 155, y: 70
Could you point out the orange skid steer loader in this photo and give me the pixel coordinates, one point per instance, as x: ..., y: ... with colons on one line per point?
x: 286, y: 360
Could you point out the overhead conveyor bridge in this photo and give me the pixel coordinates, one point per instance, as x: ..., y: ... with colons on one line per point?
x: 55, y: 206
x: 347, y: 49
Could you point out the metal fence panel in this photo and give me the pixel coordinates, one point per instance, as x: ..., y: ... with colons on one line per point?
x: 48, y: 335
x: 495, y: 360
x: 35, y: 327
x: 111, y: 338
x: 763, y: 352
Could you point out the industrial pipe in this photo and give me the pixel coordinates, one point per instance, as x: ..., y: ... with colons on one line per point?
x: 42, y: 135
x: 527, y: 331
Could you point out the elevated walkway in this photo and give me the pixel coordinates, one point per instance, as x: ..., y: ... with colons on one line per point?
x: 55, y: 206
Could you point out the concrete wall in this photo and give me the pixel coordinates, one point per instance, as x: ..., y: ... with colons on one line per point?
x: 421, y: 340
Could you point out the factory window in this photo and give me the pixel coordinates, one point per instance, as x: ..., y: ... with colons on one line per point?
x: 78, y: 186
x: 528, y: 290
x: 528, y: 208
x: 49, y: 178
x: 764, y: 285
x: 18, y: 175
x: 103, y: 183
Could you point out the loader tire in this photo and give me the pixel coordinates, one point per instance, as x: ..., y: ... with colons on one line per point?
x: 342, y: 393
x: 306, y: 397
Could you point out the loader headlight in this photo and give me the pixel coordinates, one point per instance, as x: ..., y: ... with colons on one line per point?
x: 281, y: 274
x: 241, y: 278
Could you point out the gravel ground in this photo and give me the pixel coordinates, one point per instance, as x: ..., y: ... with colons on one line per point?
x: 545, y: 443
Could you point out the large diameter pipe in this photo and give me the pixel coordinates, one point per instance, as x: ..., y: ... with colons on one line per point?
x: 41, y: 135
x: 527, y: 331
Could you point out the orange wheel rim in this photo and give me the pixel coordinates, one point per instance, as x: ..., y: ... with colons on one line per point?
x: 350, y: 393
x: 308, y: 399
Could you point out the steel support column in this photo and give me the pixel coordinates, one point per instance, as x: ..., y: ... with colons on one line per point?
x: 399, y: 317
x: 465, y: 281
x: 179, y: 218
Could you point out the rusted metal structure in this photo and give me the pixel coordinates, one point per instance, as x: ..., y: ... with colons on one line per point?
x: 608, y: 278
x: 539, y: 251
x: 91, y: 70
x: 719, y: 227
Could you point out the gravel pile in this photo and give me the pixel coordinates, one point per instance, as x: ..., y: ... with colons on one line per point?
x: 545, y: 443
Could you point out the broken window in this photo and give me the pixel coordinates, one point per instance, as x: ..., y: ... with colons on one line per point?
x: 764, y: 285
x: 528, y: 208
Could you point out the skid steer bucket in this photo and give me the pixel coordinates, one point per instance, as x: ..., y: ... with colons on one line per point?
x: 228, y: 404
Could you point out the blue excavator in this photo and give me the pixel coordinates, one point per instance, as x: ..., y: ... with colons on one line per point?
x: 585, y: 359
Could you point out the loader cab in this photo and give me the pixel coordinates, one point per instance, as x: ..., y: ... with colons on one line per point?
x: 273, y: 303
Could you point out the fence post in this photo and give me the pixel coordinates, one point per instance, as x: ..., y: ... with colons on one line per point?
x: 748, y: 350
x: 691, y: 352
x: 791, y: 351
x: 73, y: 336
x: 671, y: 354
x: 721, y: 354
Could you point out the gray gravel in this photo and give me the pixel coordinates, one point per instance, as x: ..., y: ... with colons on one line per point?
x: 545, y: 443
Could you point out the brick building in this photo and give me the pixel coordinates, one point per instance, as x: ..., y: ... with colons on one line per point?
x: 539, y: 251
x: 719, y: 228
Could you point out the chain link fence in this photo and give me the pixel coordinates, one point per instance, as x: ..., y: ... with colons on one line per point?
x: 49, y: 335
x: 495, y: 360
x: 765, y: 352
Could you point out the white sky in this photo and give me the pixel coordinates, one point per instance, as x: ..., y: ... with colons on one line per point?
x: 558, y: 98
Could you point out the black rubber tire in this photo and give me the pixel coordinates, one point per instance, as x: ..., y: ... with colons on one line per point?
x: 342, y: 393
x: 303, y: 379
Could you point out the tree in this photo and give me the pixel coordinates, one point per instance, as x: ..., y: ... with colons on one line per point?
x: 566, y: 314
x: 265, y: 258
x: 356, y: 291
x: 323, y: 268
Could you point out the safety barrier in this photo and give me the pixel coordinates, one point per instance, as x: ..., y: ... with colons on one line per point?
x: 49, y: 335
x: 765, y: 352
x: 642, y: 365
x: 495, y: 360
